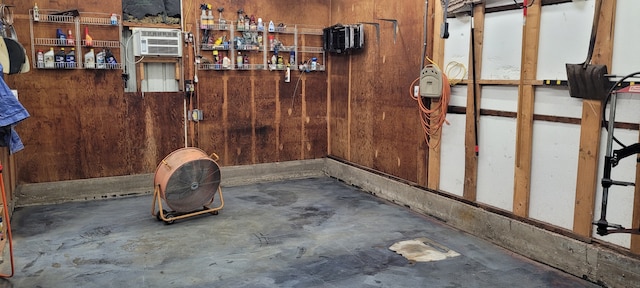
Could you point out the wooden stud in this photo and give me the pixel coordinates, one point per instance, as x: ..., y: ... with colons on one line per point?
x: 473, y: 117
x: 253, y: 120
x: 303, y: 116
x: 278, y: 117
x: 225, y: 118
x: 349, y: 110
x: 524, y: 121
x: 589, y: 152
x: 635, y: 222
x: 433, y: 174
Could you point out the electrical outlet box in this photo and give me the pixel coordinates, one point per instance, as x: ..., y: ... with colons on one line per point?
x: 431, y: 82
x: 195, y: 115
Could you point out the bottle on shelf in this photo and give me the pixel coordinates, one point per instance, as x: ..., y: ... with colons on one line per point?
x: 292, y: 58
x: 203, y: 19
x: 110, y: 60
x: 314, y: 63
x: 88, y: 41
x: 252, y: 23
x: 62, y: 38
x: 246, y: 61
x: 260, y: 25
x: 221, y: 21
x: 210, y: 20
x: 40, y: 60
x: 60, y: 57
x: 70, y: 40
x: 226, y: 62
x: 114, y: 19
x: 239, y: 60
x: 70, y: 58
x: 246, y: 23
x: 240, y: 22
x: 100, y: 60
x: 272, y: 27
x: 90, y: 59
x: 36, y: 12
x: 49, y: 58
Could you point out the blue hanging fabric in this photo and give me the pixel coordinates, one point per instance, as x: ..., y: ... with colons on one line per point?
x: 11, y: 112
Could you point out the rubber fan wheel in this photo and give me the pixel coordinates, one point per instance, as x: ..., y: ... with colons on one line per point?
x: 193, y: 185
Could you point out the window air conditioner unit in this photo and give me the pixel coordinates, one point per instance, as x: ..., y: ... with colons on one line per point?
x: 157, y: 42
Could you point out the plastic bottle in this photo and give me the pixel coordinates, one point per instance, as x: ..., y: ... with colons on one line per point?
x: 36, y: 12
x: 70, y: 40
x: 88, y: 41
x: 70, y: 59
x: 100, y: 60
x: 246, y: 22
x: 60, y: 57
x: 210, y: 20
x: 110, y: 60
x: 49, y: 58
x: 203, y: 19
x: 246, y: 61
x: 239, y: 60
x: 272, y: 28
x: 292, y: 58
x: 314, y: 63
x: 114, y: 19
x: 40, y: 59
x: 62, y: 38
x: 260, y: 25
x: 226, y: 62
x: 90, y: 60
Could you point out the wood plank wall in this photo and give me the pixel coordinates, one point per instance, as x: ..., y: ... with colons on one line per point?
x: 373, y: 120
x: 83, y: 125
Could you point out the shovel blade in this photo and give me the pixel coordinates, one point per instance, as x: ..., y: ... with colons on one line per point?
x: 588, y: 83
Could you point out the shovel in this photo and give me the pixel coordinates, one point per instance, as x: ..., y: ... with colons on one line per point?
x: 588, y: 81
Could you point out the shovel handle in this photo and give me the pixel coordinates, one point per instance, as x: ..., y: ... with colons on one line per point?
x: 594, y: 32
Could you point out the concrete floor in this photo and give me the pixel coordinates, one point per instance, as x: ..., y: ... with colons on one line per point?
x: 300, y: 233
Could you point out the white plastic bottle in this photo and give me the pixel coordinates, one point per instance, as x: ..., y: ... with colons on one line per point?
x: 100, y: 60
x: 40, y: 59
x: 90, y: 60
x: 49, y: 58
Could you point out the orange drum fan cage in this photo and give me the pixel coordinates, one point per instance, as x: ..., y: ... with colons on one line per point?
x: 187, y: 181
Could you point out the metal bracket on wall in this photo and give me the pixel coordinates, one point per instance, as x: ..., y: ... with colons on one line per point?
x: 395, y: 27
x: 377, y: 25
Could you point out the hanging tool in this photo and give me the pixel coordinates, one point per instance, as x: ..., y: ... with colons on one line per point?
x: 444, y: 28
x: 473, y: 73
x: 586, y: 80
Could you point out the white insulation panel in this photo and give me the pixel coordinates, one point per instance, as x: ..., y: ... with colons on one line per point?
x: 452, y: 155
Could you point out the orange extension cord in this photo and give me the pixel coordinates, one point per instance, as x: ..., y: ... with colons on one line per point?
x: 433, y: 119
x: 6, y: 222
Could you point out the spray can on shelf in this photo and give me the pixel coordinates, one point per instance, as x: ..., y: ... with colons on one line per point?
x: 40, y: 60
x: 70, y: 40
x: 90, y: 60
x: 36, y: 12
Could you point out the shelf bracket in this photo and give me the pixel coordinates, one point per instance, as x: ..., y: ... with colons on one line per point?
x: 377, y: 25
x: 395, y: 27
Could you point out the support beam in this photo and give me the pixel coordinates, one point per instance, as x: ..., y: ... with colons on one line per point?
x: 433, y: 178
x: 524, y: 122
x: 635, y: 222
x: 590, y: 129
x: 473, y: 103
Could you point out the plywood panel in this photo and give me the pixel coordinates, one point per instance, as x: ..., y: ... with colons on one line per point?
x: 265, y: 120
x: 315, y: 121
x: 240, y: 126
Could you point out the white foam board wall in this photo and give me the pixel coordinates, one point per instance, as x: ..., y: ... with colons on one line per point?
x: 502, y: 45
x: 452, y: 155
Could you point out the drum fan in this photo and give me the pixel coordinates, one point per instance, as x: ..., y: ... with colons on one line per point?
x: 187, y: 180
